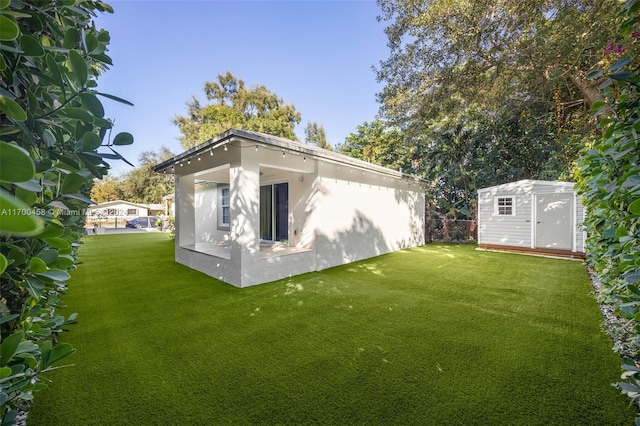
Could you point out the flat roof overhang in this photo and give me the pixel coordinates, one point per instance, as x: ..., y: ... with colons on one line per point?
x: 284, y: 145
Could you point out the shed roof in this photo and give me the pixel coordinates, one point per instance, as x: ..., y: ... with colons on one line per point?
x: 526, y: 182
x: 282, y: 144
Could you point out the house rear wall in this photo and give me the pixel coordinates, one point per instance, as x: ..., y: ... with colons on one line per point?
x: 357, y: 215
x: 337, y: 214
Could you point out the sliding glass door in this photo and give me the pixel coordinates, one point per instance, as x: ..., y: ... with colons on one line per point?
x: 274, y: 212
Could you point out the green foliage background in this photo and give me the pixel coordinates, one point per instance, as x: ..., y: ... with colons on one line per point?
x: 52, y: 127
x: 140, y: 185
x: 610, y: 183
x: 233, y: 105
x: 314, y: 134
x: 487, y: 92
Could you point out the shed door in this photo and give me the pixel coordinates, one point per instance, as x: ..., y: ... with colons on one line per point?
x: 554, y: 221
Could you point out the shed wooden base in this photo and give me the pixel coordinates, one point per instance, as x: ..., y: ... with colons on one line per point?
x: 536, y: 251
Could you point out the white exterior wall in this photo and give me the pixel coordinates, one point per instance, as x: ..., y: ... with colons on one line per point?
x: 358, y: 214
x: 518, y: 230
x: 223, y: 269
x: 301, y: 189
x: 505, y: 230
x: 206, y: 214
x: 336, y: 215
x: 227, y: 270
x: 185, y: 213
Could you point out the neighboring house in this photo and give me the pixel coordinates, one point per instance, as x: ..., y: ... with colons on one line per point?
x: 116, y: 213
x: 532, y: 216
x: 155, y: 209
x: 252, y: 208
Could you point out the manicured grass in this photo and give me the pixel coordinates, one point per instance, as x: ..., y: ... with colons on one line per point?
x: 441, y: 334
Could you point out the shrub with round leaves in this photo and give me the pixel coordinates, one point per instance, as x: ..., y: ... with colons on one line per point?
x: 54, y: 140
x: 610, y: 183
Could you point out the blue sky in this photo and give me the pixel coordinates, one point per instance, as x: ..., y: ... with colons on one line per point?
x: 315, y: 54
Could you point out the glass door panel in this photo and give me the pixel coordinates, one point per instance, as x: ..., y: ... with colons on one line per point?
x: 266, y: 212
x: 274, y: 212
x: 282, y: 211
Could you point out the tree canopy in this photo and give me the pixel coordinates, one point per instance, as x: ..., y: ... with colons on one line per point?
x: 314, y: 134
x: 140, y: 185
x: 107, y: 189
x: 449, y: 56
x: 485, y: 92
x: 232, y: 104
x: 379, y: 143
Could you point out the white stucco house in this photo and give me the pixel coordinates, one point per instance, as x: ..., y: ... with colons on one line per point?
x: 532, y: 216
x: 252, y: 208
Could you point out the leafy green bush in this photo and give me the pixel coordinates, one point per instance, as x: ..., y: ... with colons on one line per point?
x: 171, y: 226
x: 52, y: 125
x: 610, y: 182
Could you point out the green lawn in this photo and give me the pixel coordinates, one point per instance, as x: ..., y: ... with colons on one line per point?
x: 441, y: 334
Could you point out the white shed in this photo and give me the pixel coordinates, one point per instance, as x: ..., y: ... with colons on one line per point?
x: 533, y: 216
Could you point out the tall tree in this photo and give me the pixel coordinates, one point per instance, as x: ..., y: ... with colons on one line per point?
x: 314, y: 135
x: 451, y: 55
x: 142, y: 184
x: 479, y: 150
x: 379, y: 143
x: 486, y: 91
x: 233, y: 105
x: 107, y: 189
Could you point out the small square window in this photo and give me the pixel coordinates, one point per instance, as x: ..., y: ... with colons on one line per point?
x: 505, y: 206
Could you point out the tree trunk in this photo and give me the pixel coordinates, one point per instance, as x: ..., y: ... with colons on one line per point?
x: 588, y: 88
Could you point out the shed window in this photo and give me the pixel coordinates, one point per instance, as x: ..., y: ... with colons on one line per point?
x: 132, y: 212
x: 505, y: 206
